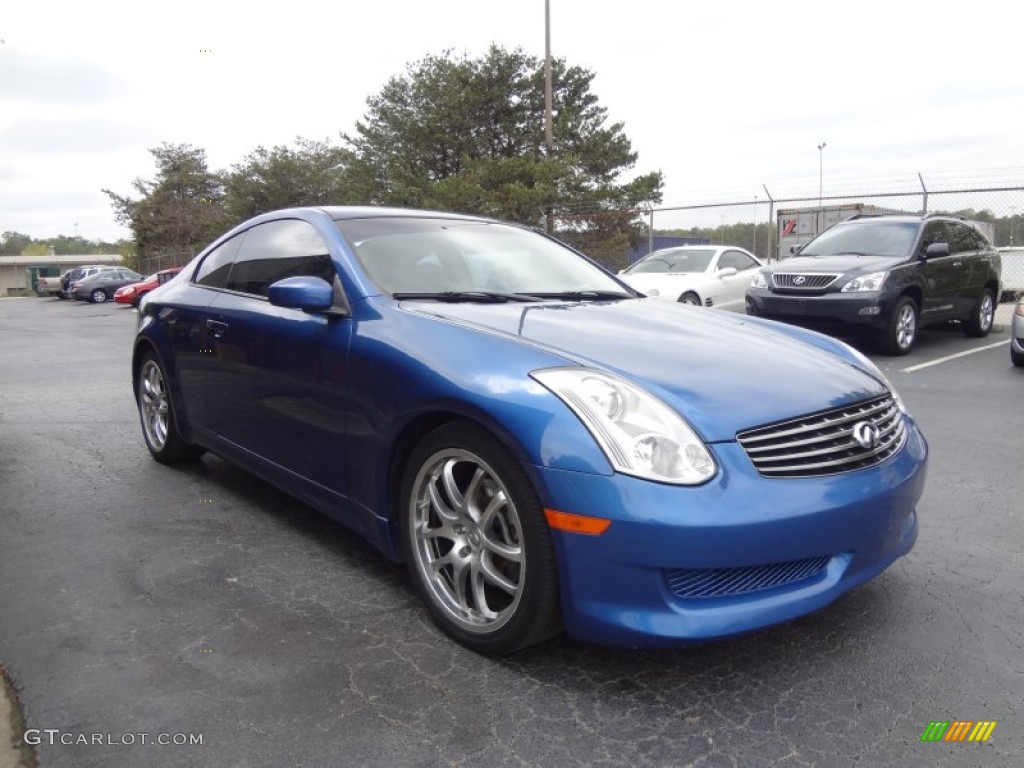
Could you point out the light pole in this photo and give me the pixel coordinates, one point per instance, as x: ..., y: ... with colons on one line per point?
x: 821, y: 161
x: 754, y: 248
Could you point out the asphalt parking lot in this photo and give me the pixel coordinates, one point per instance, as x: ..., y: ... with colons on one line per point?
x: 192, y: 601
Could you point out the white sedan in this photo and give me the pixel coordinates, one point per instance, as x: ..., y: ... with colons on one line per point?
x: 706, y: 275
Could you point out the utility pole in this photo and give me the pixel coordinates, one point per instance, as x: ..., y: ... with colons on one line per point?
x: 549, y: 139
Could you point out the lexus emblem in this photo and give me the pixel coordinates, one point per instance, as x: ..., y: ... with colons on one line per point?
x: 799, y: 280
x: 866, y: 434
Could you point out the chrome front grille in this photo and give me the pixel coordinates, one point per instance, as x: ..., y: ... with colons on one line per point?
x: 723, y: 582
x: 826, y: 443
x: 803, y: 281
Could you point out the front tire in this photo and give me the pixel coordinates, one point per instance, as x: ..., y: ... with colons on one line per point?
x: 476, y: 542
x: 901, y: 332
x: 979, y: 322
x: 157, y: 414
x: 690, y: 298
x: 1017, y: 358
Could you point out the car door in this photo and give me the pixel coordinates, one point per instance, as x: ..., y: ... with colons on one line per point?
x: 281, y: 372
x: 733, y: 288
x: 969, y: 247
x: 191, y: 339
x: 941, y: 275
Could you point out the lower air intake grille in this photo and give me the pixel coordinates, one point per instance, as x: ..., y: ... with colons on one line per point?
x: 722, y: 582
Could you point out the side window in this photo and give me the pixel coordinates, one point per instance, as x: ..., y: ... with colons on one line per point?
x: 276, y: 250
x: 963, y: 239
x: 737, y: 260
x: 213, y: 272
x: 935, y: 232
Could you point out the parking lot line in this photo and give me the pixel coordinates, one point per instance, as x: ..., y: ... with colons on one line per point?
x: 947, y: 358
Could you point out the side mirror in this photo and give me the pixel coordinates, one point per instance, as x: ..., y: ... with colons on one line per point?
x: 727, y: 271
x: 310, y: 294
x: 936, y: 249
x: 795, y: 249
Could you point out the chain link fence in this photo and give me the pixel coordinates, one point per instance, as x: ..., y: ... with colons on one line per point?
x: 154, y: 262
x: 767, y: 224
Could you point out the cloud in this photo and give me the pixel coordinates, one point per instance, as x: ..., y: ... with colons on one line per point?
x: 43, y: 77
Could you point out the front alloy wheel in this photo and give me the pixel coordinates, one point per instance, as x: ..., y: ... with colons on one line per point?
x: 156, y: 411
x: 900, y: 334
x: 476, y: 542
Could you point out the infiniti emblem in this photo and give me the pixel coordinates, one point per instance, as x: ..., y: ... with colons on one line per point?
x: 866, y: 434
x: 799, y: 280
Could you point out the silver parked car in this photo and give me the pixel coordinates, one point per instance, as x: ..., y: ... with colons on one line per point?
x: 101, y: 285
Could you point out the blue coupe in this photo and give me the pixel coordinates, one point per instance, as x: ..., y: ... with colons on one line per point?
x: 542, y: 446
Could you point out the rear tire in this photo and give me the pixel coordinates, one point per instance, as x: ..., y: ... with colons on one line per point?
x: 1017, y: 358
x: 157, y: 414
x: 98, y: 296
x: 899, y: 335
x: 979, y: 322
x: 476, y: 542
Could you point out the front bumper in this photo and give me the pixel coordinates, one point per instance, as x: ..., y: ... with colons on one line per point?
x: 1017, y: 333
x: 621, y: 588
x: 866, y: 310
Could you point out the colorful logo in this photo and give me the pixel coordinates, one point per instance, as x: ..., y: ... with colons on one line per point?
x: 959, y: 730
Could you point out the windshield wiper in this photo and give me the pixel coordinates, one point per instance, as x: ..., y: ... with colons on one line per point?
x: 456, y: 296
x: 585, y: 295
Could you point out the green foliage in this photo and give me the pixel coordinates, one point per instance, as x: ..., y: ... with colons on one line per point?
x: 13, y: 243
x: 181, y: 209
x: 468, y: 135
x: 36, y: 249
x: 313, y: 173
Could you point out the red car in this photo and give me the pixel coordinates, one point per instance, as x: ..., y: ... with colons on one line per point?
x: 131, y: 294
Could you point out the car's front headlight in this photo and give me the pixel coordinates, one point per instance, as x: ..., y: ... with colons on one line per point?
x: 759, y: 280
x: 872, y: 282
x: 640, y: 435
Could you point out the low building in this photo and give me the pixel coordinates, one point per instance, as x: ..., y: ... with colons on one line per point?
x: 20, y: 273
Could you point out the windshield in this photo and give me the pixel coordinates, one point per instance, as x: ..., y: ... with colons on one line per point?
x: 428, y: 255
x: 864, y: 238
x: 674, y: 261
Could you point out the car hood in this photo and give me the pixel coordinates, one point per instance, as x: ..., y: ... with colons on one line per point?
x: 723, y: 372
x: 837, y: 264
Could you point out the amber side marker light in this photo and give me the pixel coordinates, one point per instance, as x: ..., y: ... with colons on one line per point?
x: 567, y: 521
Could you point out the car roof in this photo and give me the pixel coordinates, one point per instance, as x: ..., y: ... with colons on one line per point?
x: 339, y: 212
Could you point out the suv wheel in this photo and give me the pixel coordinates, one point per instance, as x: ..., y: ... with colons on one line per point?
x: 979, y: 322
x: 900, y: 334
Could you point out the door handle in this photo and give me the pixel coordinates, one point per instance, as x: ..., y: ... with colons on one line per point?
x: 218, y: 327
x: 957, y: 263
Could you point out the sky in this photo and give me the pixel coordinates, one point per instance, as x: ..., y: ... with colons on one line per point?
x: 722, y: 97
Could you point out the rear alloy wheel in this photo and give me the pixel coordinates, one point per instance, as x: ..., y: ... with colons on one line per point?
x: 899, y: 335
x: 156, y: 411
x: 476, y: 542
x: 979, y: 323
x: 98, y: 296
x: 690, y: 298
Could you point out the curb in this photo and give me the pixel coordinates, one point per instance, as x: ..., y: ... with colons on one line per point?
x: 14, y: 753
